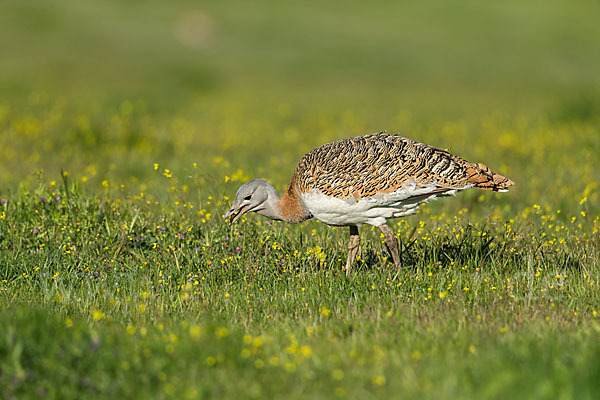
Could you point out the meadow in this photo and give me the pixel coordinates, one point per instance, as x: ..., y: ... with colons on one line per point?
x: 119, y: 278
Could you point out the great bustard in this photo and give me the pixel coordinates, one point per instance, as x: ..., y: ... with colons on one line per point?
x: 365, y: 180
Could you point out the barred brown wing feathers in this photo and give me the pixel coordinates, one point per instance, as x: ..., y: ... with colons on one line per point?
x: 381, y: 163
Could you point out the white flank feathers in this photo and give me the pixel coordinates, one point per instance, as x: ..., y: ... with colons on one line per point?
x: 372, y: 210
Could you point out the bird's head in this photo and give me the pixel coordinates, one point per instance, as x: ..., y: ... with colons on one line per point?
x: 257, y: 196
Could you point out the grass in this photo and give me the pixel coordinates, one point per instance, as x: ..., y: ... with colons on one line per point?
x: 128, y: 287
x: 119, y: 279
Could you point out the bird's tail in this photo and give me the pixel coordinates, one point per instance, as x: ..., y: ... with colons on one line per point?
x: 484, y: 178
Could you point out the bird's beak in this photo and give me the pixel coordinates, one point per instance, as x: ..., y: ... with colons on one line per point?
x: 235, y: 213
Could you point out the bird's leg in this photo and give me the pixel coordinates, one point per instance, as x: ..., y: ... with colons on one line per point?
x: 392, y: 243
x: 353, y: 247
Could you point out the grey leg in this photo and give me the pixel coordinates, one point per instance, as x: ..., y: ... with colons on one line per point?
x: 353, y: 247
x: 392, y: 243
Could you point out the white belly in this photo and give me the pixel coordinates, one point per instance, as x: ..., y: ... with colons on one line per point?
x: 372, y: 210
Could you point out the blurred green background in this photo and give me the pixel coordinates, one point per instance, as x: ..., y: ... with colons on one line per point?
x: 448, y: 58
x: 105, y: 89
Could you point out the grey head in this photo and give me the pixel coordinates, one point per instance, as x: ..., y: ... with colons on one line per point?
x: 257, y: 196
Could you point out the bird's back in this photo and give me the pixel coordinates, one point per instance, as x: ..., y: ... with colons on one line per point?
x: 366, y: 166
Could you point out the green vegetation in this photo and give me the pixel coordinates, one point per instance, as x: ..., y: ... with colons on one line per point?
x: 125, y: 130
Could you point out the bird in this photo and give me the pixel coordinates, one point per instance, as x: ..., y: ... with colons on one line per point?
x: 365, y: 180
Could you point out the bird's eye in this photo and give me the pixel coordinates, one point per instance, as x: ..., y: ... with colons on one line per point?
x: 248, y: 197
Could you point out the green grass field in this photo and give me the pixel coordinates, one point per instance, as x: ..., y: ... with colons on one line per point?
x: 127, y: 127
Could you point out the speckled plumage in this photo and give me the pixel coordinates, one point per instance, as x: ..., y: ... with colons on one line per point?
x: 364, y: 166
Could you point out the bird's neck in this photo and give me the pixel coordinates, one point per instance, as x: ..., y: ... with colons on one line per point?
x: 288, y: 208
x: 291, y: 208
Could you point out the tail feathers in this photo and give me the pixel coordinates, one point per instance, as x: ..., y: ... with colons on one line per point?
x: 484, y: 178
